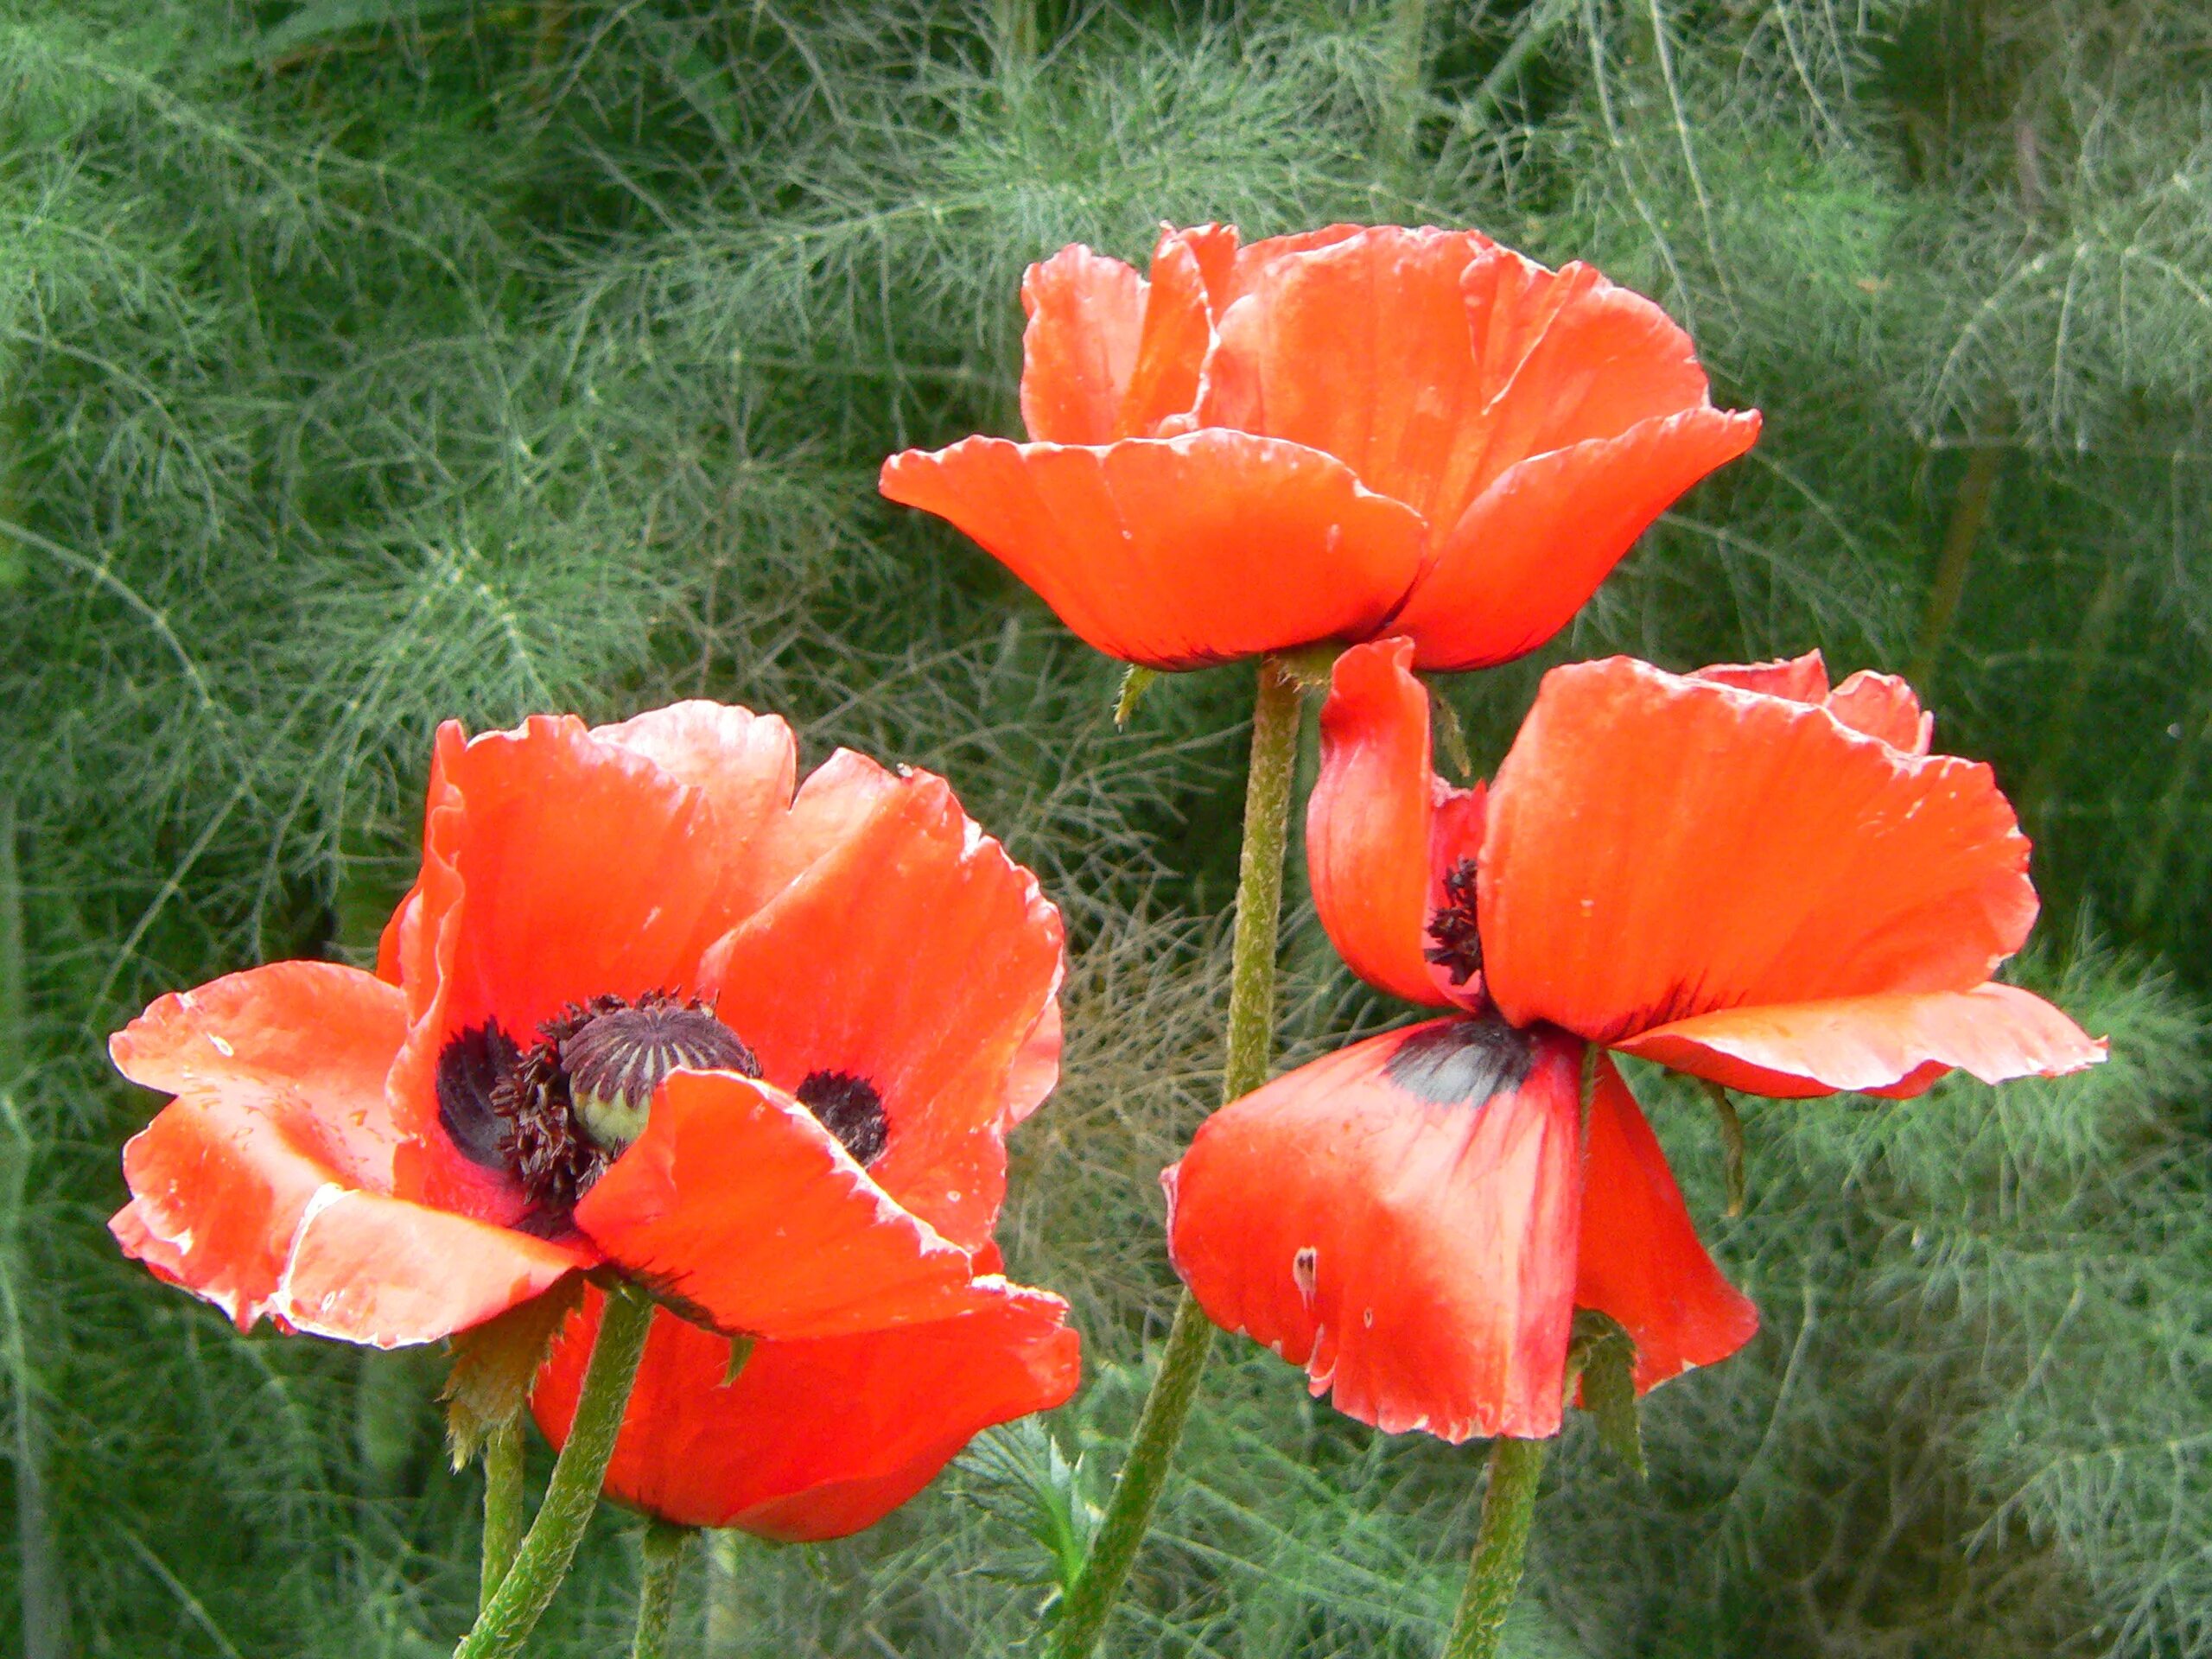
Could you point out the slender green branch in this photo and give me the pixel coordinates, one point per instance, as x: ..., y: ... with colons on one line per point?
x: 1250, y: 1047
x: 502, y: 1508
x: 1517, y: 1467
x: 662, y: 1547
x: 506, y: 1622
x: 1731, y: 1143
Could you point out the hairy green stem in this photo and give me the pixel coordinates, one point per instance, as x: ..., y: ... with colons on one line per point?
x: 507, y: 1620
x: 1501, y: 1547
x: 502, y: 1508
x: 1250, y: 1046
x: 663, y: 1552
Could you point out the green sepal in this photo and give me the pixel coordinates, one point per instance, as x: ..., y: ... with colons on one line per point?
x: 1135, y: 684
x: 1601, y: 1355
x: 1309, y: 667
x: 740, y: 1350
x: 494, y: 1364
x: 1731, y: 1143
x: 1451, y: 738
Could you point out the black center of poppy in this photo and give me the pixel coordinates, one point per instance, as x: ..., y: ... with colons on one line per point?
x: 850, y: 1108
x: 554, y: 1115
x: 1463, y: 1062
x: 1459, y: 945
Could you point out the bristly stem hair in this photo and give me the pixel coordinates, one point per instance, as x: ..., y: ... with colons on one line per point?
x: 572, y: 1493
x: 1250, y: 1046
x: 503, y: 1508
x: 662, y: 1547
x: 1516, y: 1468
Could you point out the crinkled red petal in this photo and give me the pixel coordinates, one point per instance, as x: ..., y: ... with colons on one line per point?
x: 1661, y: 848
x: 1086, y: 318
x: 1896, y: 1045
x: 1415, y: 1256
x: 1371, y: 821
x: 813, y: 1439
x: 745, y: 763
x: 736, y: 1204
x: 1880, y: 705
x: 1360, y: 348
x: 1177, y: 552
x: 914, y: 953
x: 267, y: 1185
x: 1640, y: 1259
x: 561, y: 864
x: 1532, y: 548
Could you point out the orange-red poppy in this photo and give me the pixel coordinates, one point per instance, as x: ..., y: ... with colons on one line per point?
x: 645, y: 1007
x: 1331, y: 437
x: 1740, y: 873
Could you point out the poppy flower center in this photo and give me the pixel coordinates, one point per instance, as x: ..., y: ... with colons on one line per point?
x: 554, y: 1115
x: 1458, y: 943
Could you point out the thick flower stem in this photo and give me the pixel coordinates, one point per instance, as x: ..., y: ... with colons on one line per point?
x: 505, y: 1624
x: 502, y: 1508
x: 663, y: 1552
x: 1250, y: 1046
x: 1501, y: 1546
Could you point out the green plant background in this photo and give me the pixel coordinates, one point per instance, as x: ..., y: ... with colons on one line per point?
x: 367, y: 362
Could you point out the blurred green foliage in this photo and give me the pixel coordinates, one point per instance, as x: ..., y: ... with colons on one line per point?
x: 364, y: 363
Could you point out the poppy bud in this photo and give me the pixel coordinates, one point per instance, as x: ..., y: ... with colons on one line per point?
x: 616, y: 1060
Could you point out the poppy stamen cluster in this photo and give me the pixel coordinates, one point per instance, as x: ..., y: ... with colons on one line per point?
x: 850, y: 1108
x: 1456, y: 935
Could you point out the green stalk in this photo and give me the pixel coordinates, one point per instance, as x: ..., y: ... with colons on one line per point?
x: 663, y: 1552
x: 502, y: 1508
x: 1501, y: 1546
x: 1250, y: 1047
x: 506, y: 1622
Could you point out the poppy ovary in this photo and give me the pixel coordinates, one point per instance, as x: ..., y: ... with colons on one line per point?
x: 1458, y: 947
x: 617, y: 1055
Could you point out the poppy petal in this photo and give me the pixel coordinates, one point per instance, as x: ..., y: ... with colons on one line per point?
x: 1371, y: 820
x: 1756, y: 850
x: 1880, y: 705
x: 310, y: 1041
x: 264, y: 1185
x: 1537, y: 542
x: 746, y: 763
x: 813, y: 1439
x: 1876, y: 1045
x: 1086, y: 316
x: 583, y: 869
x: 1171, y: 350
x: 1883, y: 706
x: 1380, y: 1218
x: 1234, y: 268
x: 1404, y: 402
x: 382, y: 1271
x: 1640, y: 1259
x: 738, y: 1204
x: 1800, y: 679
x: 1178, y: 552
x: 1572, y: 358
x: 915, y: 956
x: 558, y: 866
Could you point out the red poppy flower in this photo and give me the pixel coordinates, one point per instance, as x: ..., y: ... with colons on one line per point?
x: 1334, y: 435
x: 645, y: 1008
x: 1740, y: 873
